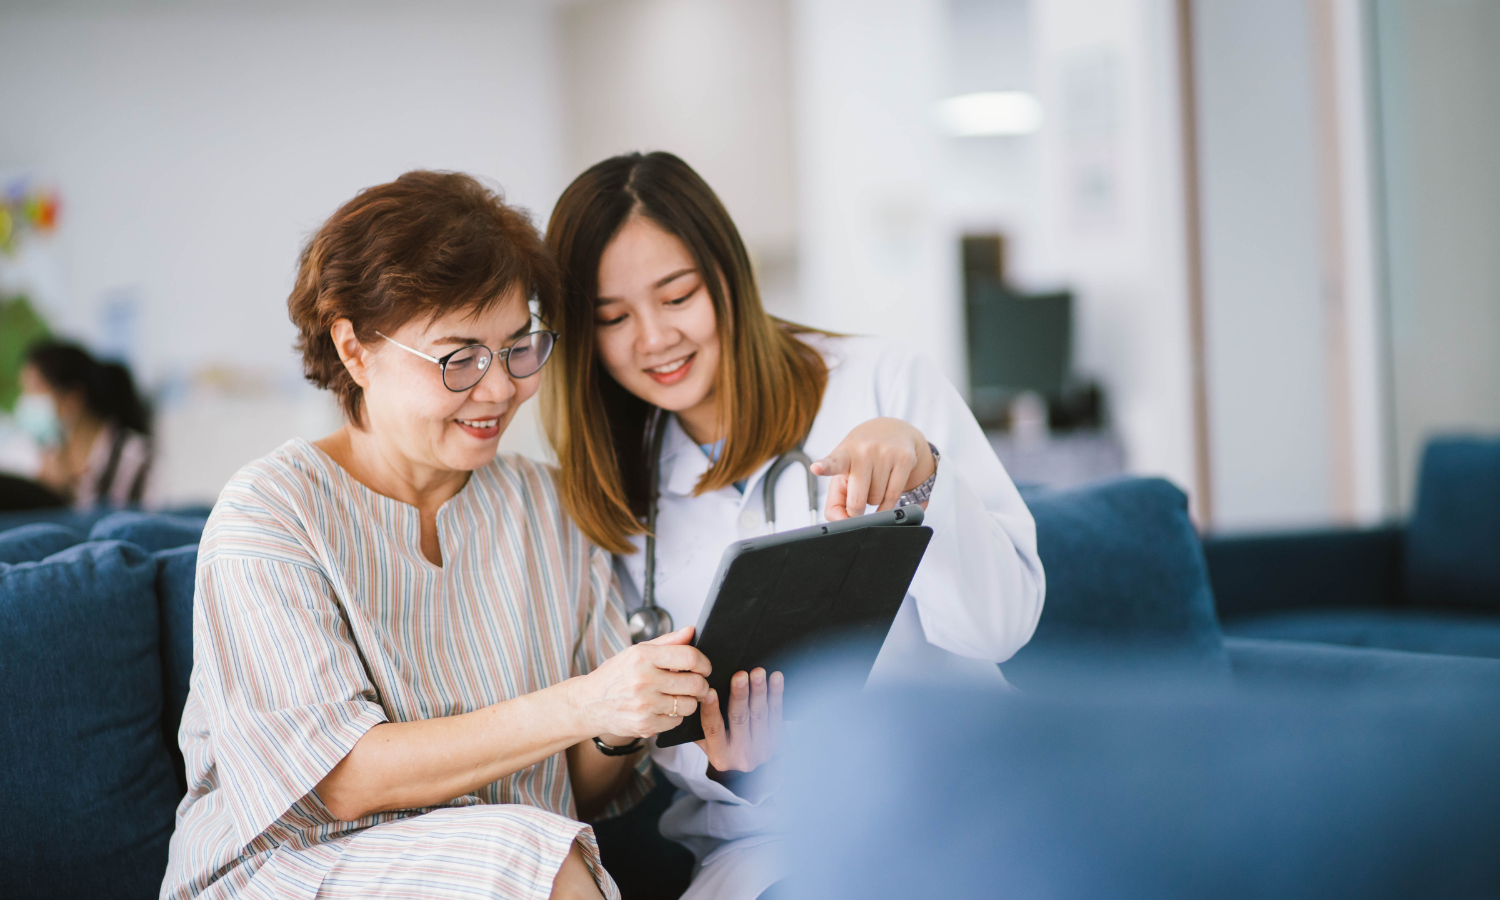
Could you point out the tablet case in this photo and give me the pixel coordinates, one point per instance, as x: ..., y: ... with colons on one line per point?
x: 787, y: 595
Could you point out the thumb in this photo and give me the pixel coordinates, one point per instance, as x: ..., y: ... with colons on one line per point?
x: 835, y: 463
x: 683, y: 635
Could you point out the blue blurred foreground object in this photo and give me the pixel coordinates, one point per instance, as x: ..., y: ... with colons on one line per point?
x: 1147, y: 790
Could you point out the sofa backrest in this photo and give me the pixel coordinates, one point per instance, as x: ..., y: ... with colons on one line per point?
x: 38, y: 541
x: 1126, y: 582
x: 1453, y: 539
x: 87, y: 786
x: 176, y: 570
x: 150, y: 531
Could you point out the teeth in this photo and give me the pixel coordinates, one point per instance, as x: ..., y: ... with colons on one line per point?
x: 671, y: 367
x: 478, y: 423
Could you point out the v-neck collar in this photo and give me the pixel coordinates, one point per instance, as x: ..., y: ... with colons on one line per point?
x: 683, y: 463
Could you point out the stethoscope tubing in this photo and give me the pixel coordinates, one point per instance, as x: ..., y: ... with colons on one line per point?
x: 650, y: 621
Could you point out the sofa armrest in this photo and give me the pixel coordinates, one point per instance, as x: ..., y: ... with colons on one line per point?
x: 1302, y: 570
x: 1298, y: 664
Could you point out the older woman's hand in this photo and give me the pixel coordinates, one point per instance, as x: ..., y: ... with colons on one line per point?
x: 754, y: 726
x: 645, y: 689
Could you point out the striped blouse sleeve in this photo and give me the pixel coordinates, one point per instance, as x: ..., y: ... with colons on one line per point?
x: 603, y: 631
x: 278, y: 671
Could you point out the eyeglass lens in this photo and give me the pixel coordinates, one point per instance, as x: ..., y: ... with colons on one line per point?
x: 524, y: 359
x: 527, y: 355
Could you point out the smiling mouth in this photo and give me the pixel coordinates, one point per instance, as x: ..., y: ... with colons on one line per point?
x: 484, y: 429
x: 672, y: 372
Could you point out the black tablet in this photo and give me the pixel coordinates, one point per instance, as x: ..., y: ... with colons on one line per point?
x: 778, y: 597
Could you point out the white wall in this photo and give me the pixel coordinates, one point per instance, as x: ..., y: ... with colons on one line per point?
x: 1264, y: 279
x: 1439, y: 77
x: 878, y: 253
x: 196, y: 150
x: 1111, y: 214
x: 989, y: 184
x: 708, y: 80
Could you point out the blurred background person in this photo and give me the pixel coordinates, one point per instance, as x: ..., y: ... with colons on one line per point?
x: 93, y: 426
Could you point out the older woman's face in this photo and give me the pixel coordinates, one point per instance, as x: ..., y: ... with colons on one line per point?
x: 406, y: 404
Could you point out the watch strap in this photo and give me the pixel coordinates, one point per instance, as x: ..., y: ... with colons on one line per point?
x: 622, y: 750
x: 923, y: 491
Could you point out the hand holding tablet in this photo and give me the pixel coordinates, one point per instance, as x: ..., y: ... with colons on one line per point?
x: 781, y: 596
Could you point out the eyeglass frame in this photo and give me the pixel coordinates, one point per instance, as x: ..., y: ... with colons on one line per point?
x: 504, y: 355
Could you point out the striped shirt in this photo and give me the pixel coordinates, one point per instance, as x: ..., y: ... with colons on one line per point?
x: 316, y: 617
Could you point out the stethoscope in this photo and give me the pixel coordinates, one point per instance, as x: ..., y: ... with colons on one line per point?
x: 648, y: 620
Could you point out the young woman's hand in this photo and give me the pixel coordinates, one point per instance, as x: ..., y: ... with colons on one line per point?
x: 754, y: 727
x: 879, y: 460
x: 644, y: 689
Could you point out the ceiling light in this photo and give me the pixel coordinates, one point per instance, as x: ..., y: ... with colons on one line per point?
x: 989, y: 113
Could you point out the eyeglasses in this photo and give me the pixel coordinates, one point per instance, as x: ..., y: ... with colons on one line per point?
x: 464, y: 367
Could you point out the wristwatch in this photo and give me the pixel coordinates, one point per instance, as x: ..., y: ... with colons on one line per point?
x: 921, y: 492
x: 622, y: 750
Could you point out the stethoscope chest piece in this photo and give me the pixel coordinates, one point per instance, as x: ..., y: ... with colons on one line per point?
x: 647, y: 623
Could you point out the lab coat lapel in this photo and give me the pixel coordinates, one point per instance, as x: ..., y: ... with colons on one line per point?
x: 682, y: 461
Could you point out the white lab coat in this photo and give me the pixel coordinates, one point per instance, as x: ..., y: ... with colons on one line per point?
x: 974, y: 602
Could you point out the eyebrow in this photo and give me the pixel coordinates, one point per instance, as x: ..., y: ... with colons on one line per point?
x: 660, y: 283
x: 461, y: 341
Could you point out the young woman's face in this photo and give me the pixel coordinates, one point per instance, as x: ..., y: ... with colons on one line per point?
x: 654, y: 321
x: 407, y: 405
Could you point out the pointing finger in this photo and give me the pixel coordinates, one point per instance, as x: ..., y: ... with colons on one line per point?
x: 835, y: 463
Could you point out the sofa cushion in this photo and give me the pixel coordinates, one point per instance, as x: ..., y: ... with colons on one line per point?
x: 175, y: 573
x: 86, y: 786
x: 32, y: 542
x: 1126, y: 581
x: 1453, y: 540
x: 1367, y: 671
x: 1450, y: 632
x: 153, y: 531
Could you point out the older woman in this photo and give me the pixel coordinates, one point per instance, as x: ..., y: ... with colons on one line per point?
x: 411, y: 669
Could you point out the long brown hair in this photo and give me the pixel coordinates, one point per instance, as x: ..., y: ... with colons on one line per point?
x: 769, y: 384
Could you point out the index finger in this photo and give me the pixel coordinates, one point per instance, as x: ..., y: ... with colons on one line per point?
x: 835, y: 463
x: 679, y: 658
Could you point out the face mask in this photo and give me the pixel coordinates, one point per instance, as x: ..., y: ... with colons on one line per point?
x: 36, y: 415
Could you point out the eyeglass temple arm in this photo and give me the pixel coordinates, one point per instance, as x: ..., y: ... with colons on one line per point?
x: 432, y: 359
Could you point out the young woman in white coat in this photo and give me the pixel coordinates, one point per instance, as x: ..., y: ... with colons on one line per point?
x: 662, y: 319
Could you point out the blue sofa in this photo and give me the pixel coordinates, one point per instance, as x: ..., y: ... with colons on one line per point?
x: 96, y: 650
x: 1430, y: 586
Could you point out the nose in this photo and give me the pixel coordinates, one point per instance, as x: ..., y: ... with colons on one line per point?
x: 654, y: 332
x: 496, y: 386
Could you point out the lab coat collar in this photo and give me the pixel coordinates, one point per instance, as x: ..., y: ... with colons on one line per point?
x: 683, y: 463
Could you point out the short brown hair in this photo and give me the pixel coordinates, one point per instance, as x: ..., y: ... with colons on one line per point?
x: 426, y: 244
x: 769, y: 384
